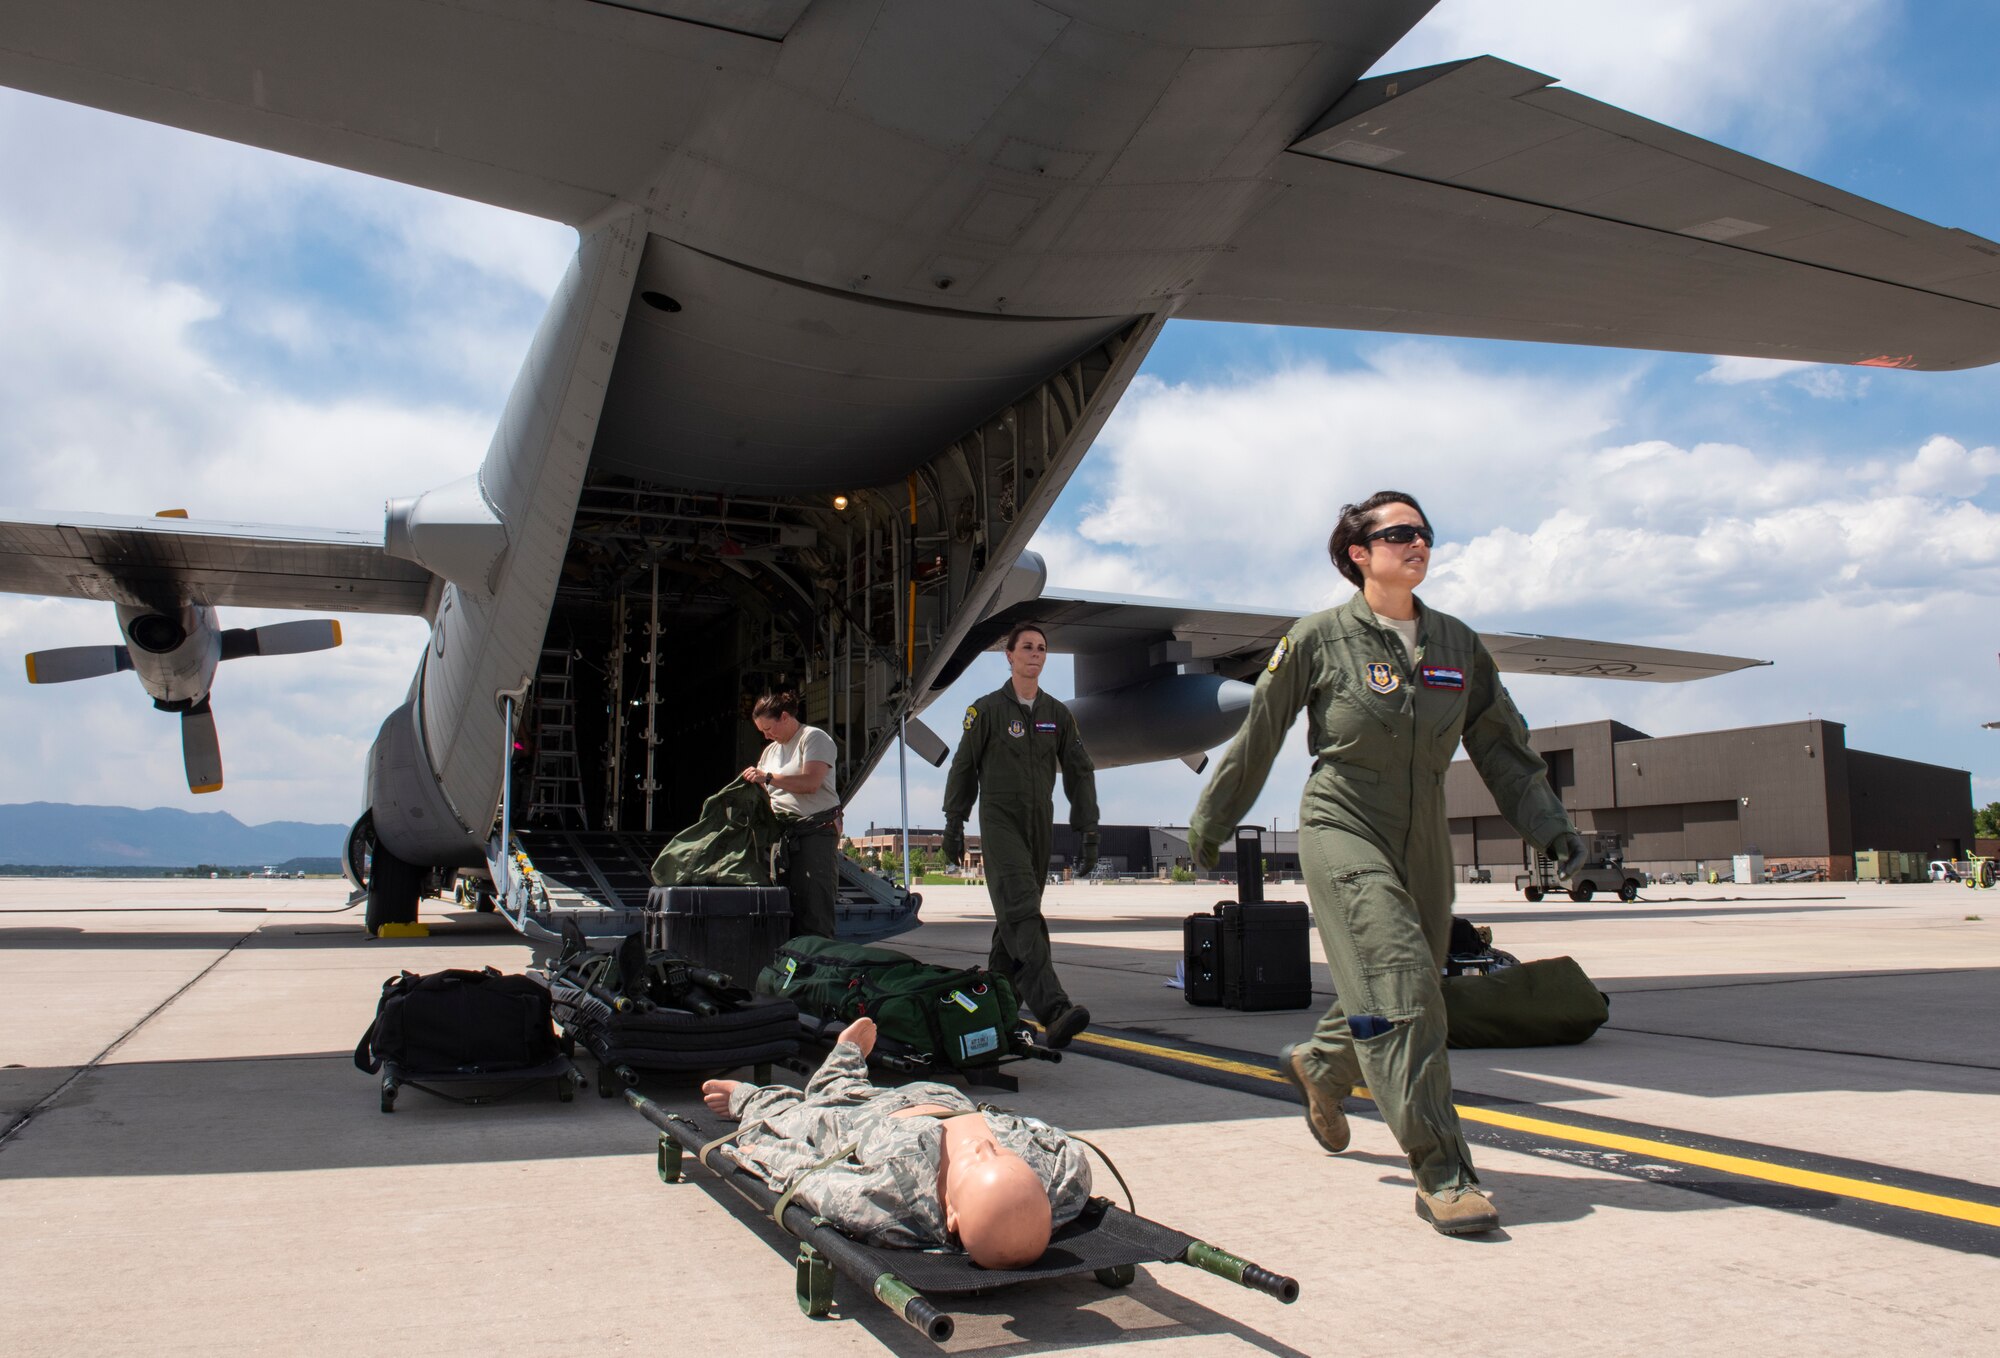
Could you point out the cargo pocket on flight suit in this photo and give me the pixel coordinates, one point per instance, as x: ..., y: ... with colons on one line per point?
x: 1383, y: 928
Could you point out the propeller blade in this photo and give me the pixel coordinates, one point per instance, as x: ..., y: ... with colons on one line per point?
x: 281, y: 638
x: 200, y: 750
x: 65, y: 663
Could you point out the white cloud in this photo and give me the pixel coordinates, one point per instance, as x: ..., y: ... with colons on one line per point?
x: 1757, y: 76
x: 1944, y: 466
x: 1732, y: 370
x: 1221, y: 491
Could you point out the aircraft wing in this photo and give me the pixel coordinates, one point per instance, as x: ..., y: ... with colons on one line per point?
x: 1150, y: 634
x: 1474, y: 199
x: 161, y: 561
x: 552, y: 110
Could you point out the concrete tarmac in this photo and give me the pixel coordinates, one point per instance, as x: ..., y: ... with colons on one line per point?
x: 1782, y: 1143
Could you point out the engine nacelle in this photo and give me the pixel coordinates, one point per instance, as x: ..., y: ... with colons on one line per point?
x: 173, y: 651
x: 1173, y: 717
x: 410, y: 814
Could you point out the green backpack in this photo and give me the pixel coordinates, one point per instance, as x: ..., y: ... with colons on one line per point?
x: 961, y: 1018
x: 729, y: 845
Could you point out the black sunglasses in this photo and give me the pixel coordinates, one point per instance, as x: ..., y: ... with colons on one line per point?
x: 1401, y: 535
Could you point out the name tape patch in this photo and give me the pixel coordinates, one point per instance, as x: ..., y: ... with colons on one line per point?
x: 1441, y: 676
x: 1048, y: 726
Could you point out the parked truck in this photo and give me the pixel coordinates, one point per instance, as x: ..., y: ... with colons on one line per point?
x: 1604, y: 871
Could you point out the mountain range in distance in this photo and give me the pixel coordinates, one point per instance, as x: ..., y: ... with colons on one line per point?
x: 56, y: 834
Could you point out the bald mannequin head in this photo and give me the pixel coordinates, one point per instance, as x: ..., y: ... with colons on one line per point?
x: 994, y: 1202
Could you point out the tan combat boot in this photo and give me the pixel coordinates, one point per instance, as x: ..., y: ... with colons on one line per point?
x: 1324, y: 1114
x: 1458, y: 1211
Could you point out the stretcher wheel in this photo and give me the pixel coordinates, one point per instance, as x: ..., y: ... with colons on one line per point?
x: 1533, y: 893
x: 1121, y: 1276
x: 606, y: 1086
x: 565, y: 1089
x: 815, y: 1282
x: 669, y: 1160
x: 388, y: 1096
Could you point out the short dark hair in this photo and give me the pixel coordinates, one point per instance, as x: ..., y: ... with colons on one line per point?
x: 1019, y: 629
x: 785, y: 703
x: 1357, y: 521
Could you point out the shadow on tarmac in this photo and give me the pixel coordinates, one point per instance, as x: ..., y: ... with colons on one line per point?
x: 1061, y: 924
x: 270, y: 930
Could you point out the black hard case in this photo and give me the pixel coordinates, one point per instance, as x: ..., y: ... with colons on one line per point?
x: 735, y: 930
x: 1201, y: 954
x: 1249, y: 953
x: 1266, y: 954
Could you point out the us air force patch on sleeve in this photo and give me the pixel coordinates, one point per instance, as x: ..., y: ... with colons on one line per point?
x: 1382, y: 677
x: 1278, y: 654
x: 971, y: 716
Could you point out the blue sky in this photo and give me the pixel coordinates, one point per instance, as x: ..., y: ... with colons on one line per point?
x: 188, y: 322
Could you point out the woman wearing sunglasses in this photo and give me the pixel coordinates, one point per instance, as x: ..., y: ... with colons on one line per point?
x: 1391, y: 688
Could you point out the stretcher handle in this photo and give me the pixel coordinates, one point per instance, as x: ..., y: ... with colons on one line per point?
x: 1223, y: 1264
x: 919, y: 1312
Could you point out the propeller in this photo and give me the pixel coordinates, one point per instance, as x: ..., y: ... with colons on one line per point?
x: 177, y: 653
x: 281, y: 638
x: 67, y: 663
x: 201, y: 752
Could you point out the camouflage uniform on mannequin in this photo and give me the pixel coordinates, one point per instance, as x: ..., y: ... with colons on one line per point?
x: 868, y: 1160
x: 1016, y: 740
x: 1389, y: 687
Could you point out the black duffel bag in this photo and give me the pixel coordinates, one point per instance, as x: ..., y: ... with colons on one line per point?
x: 459, y: 1023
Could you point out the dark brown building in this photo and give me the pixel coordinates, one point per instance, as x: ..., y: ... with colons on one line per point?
x: 1793, y: 792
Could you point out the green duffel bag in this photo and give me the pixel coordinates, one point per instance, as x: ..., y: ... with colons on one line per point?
x: 1550, y: 1003
x: 959, y: 1017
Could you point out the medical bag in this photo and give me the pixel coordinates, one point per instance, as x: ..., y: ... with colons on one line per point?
x: 960, y: 1018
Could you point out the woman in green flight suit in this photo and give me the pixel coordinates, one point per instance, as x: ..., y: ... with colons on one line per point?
x: 1390, y: 688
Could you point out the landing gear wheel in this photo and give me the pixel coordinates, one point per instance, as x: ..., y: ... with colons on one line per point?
x: 1630, y: 890
x: 815, y: 1282
x: 1121, y: 1276
x: 1533, y: 893
x: 1582, y: 892
x: 393, y: 887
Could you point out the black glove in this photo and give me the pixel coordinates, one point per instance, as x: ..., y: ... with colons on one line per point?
x: 1569, y: 853
x: 1088, y: 863
x: 954, y: 843
x: 1203, y: 852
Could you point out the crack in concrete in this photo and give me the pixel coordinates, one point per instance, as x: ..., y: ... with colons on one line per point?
x: 49, y: 1100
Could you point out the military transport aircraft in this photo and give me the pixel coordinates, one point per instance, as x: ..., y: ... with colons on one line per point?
x: 858, y: 281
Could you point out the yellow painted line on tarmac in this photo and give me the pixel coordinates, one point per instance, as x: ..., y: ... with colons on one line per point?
x: 1958, y: 1209
x: 1188, y: 1058
x: 1934, y: 1204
